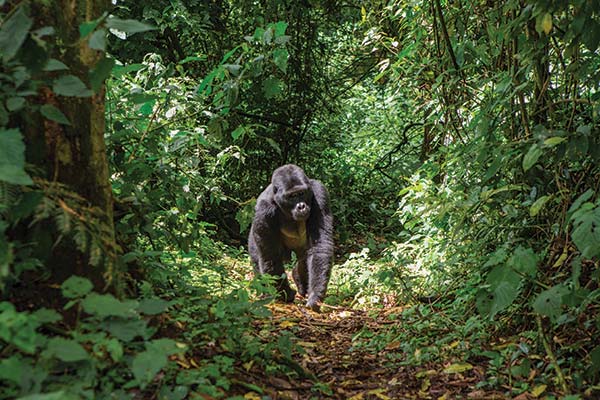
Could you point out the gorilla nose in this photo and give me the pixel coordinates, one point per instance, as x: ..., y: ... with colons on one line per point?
x: 301, y: 206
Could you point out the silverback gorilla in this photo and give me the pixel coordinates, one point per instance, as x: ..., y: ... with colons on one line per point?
x: 292, y: 214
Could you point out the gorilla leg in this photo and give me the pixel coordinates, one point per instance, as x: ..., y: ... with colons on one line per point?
x: 275, y: 268
x: 300, y: 275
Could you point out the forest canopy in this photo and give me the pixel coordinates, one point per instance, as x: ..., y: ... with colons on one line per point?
x: 458, y: 142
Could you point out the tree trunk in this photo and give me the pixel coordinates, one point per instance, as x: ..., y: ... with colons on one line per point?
x: 75, y: 155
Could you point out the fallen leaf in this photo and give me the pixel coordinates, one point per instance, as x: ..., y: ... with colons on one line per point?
x: 458, y: 368
x: 538, y: 390
x: 287, y: 324
x: 379, y: 394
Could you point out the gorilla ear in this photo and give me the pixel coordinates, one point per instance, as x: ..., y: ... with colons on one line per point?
x: 275, y: 189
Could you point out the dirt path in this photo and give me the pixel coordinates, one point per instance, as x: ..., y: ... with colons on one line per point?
x: 353, y: 372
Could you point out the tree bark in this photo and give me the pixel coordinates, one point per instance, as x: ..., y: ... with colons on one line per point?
x: 74, y: 155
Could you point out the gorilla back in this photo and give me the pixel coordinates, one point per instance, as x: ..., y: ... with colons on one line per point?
x: 293, y: 214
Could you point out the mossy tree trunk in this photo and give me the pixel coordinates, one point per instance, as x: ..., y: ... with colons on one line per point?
x: 74, y: 154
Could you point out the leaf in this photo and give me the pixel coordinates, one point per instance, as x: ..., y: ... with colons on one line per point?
x: 531, y: 157
x: 523, y: 260
x: 70, y: 85
x: 553, y: 141
x: 279, y: 28
x: 12, y: 158
x: 76, y: 286
x: 46, y: 315
x: 538, y: 390
x: 15, y: 103
x: 130, y: 26
x: 546, y: 23
x: 504, y: 295
x: 549, y: 301
x: 586, y: 232
x: 239, y: 131
x: 106, y: 305
x: 13, y: 33
x: 153, y: 306
x: 54, y: 114
x: 580, y: 200
x: 280, y: 58
x: 146, y: 365
x: 55, y: 65
x: 100, y: 72
x: 537, y: 206
x: 88, y: 27
x: 271, y: 87
x: 458, y: 368
x: 66, y: 350
x: 13, y: 369
x: 126, y: 329
x: 98, y: 40
x: 58, y: 395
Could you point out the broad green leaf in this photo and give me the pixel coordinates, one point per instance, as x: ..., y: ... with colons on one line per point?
x: 127, y: 329
x: 88, y: 27
x: 70, y: 85
x: 58, y: 395
x: 271, y: 87
x: 115, y: 349
x: 280, y: 58
x: 279, y: 28
x: 13, y: 33
x: 549, y: 302
x: 66, y: 350
x: 100, y: 72
x: 12, y: 158
x: 14, y: 368
x: 105, y: 305
x: 586, y: 231
x: 55, y: 65
x: 503, y: 273
x: 76, y: 286
x: 15, y: 103
x: 98, y: 40
x: 553, y: 141
x: 147, y: 364
x: 153, y: 306
x: 239, y: 131
x: 504, y: 295
x: 165, y: 346
x: 46, y: 315
x: 14, y: 175
x: 531, y: 157
x: 580, y: 200
x: 523, y: 260
x: 537, y: 206
x: 54, y: 114
x: 129, y: 26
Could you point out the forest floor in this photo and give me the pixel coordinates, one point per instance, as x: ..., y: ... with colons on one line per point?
x: 346, y: 370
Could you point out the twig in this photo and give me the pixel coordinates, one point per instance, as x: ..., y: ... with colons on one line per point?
x: 550, y: 353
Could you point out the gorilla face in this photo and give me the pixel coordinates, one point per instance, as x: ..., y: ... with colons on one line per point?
x: 292, y: 192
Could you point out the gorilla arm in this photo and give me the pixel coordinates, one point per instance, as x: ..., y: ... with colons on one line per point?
x: 265, y: 244
x: 320, y: 249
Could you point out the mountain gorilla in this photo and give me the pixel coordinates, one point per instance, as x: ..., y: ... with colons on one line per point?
x: 292, y: 214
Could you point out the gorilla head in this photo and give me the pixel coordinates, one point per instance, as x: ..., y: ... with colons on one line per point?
x: 292, y: 192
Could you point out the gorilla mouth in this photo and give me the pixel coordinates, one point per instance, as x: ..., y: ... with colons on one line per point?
x: 300, y: 215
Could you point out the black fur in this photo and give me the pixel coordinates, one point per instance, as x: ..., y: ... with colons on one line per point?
x: 293, y: 201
